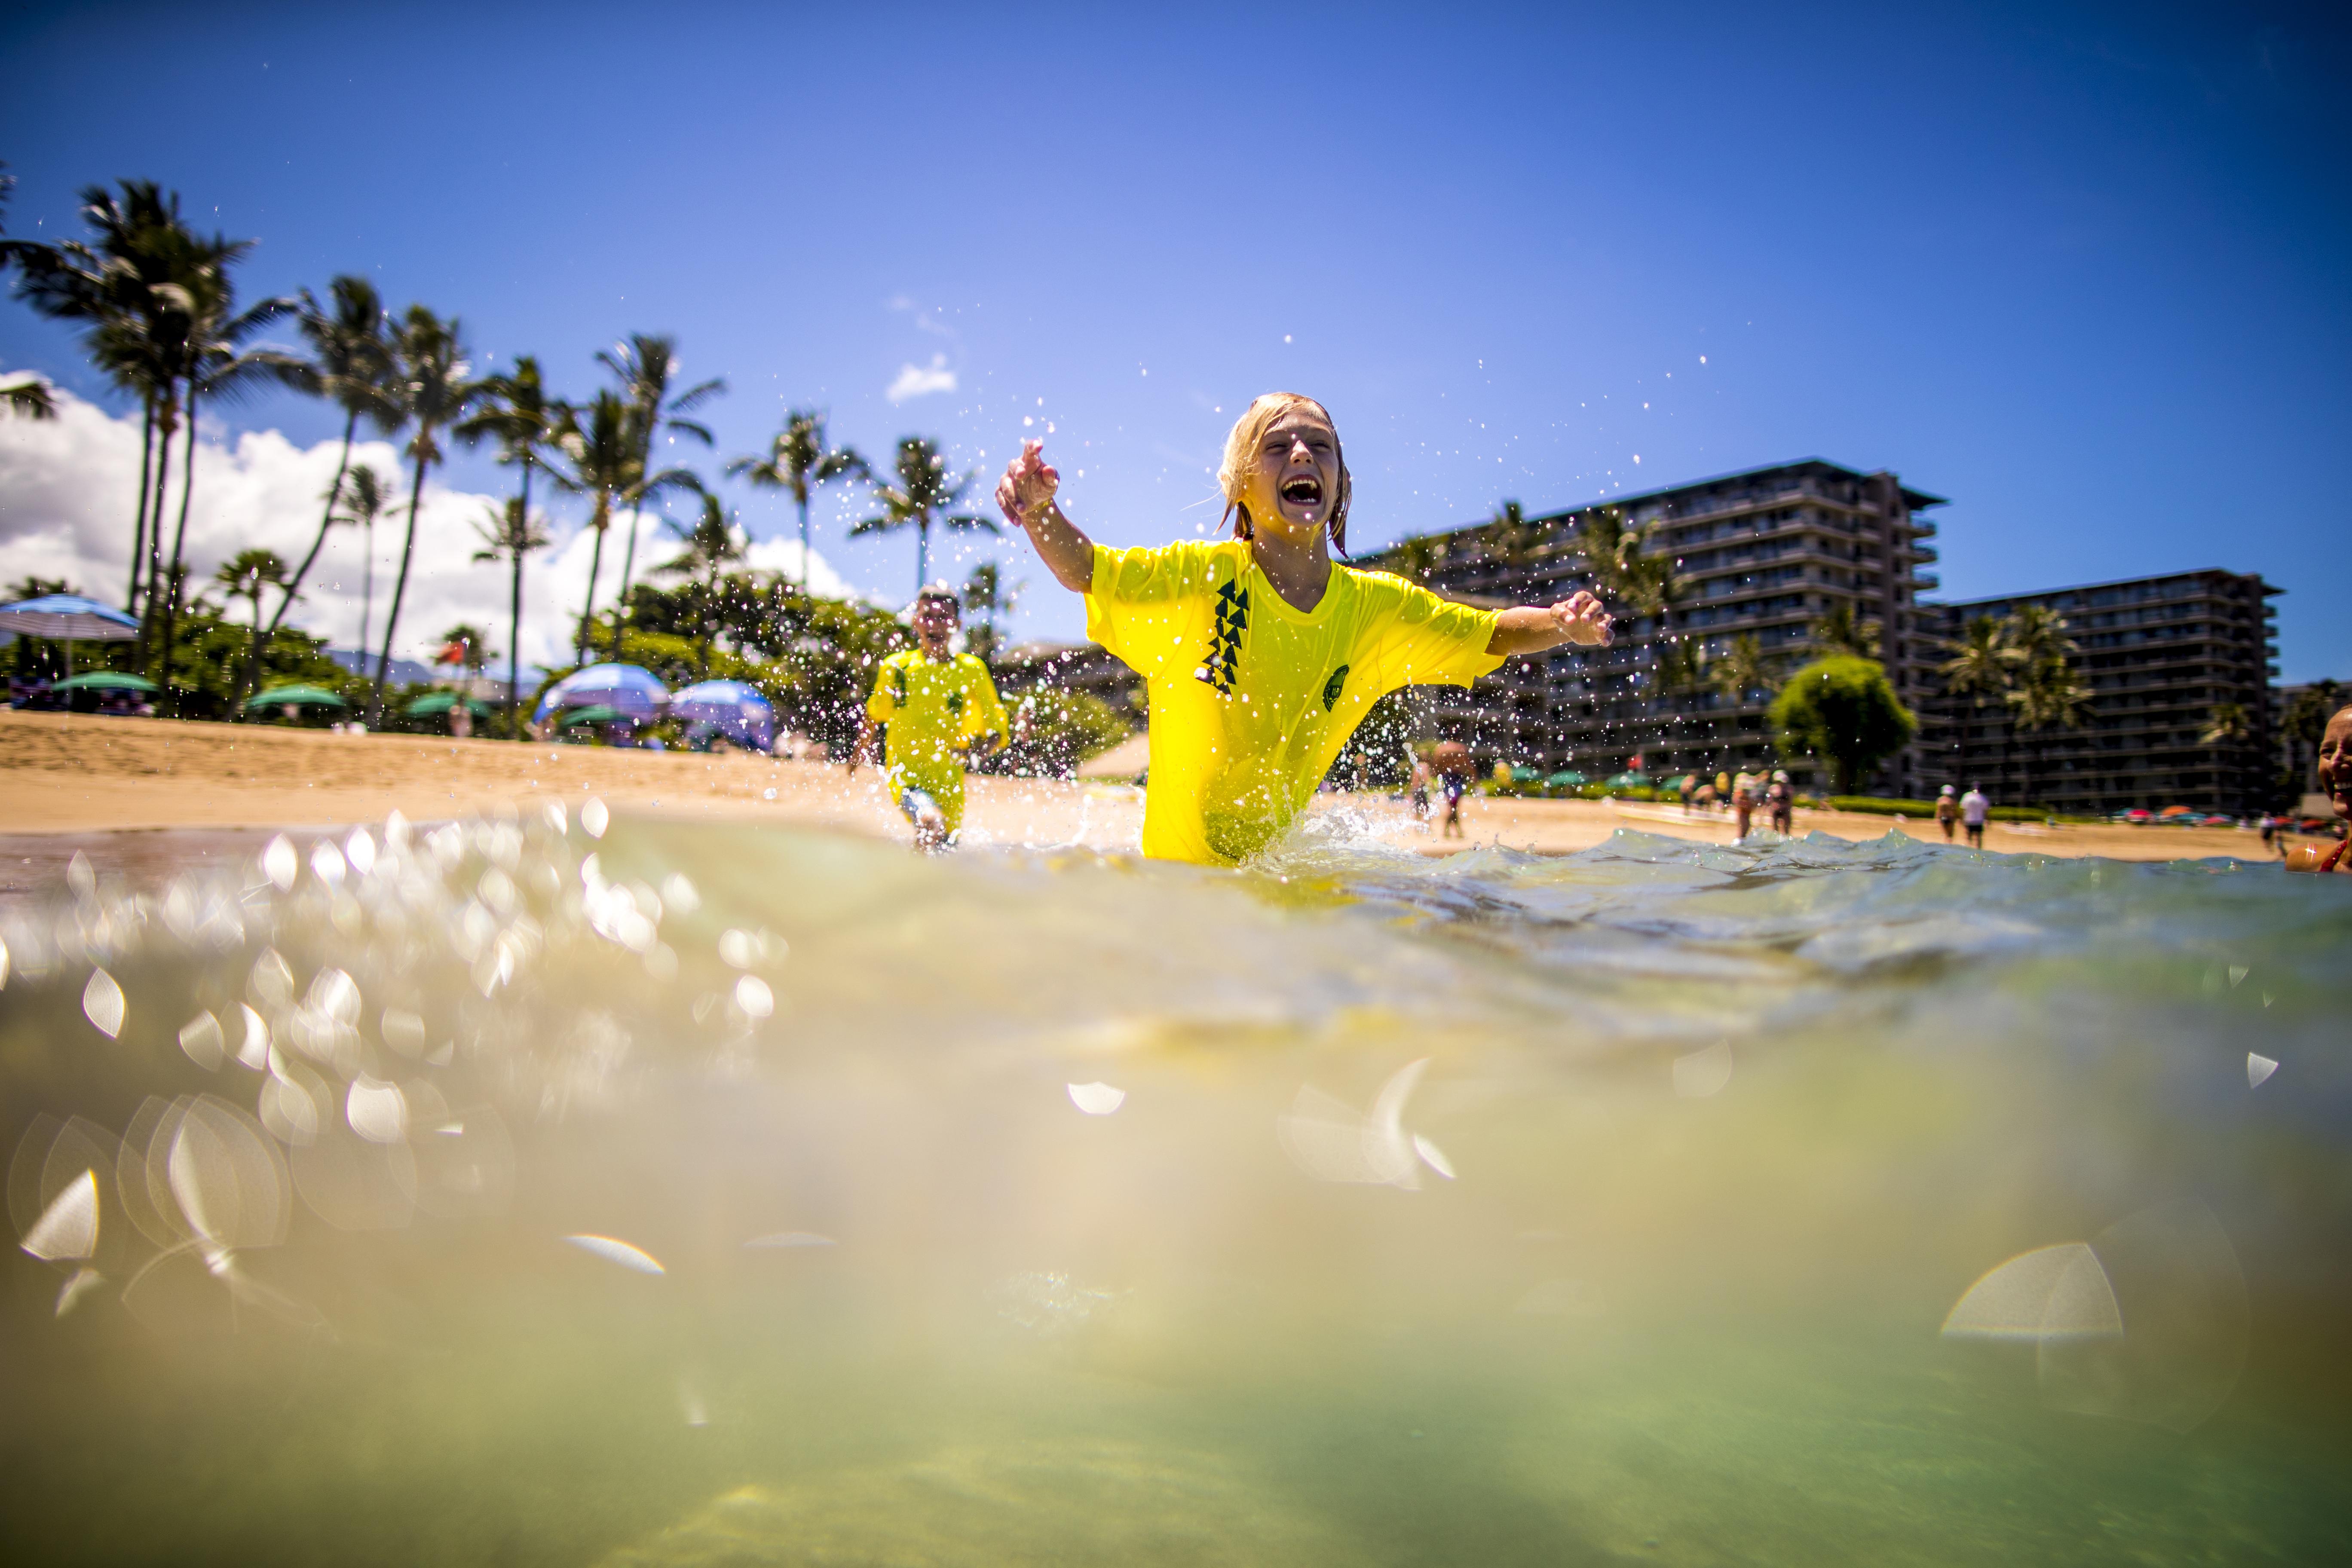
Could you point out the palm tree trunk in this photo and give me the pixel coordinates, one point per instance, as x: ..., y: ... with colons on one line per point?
x: 514, y: 633
x: 600, y: 520
x: 147, y: 618
x: 253, y: 659
x: 326, y: 522
x: 922, y: 552
x: 139, y: 528
x: 628, y: 561
x: 804, y: 544
x: 399, y: 585
x: 367, y: 591
x: 179, y: 545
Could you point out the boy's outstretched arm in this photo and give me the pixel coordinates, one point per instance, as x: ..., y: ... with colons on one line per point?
x: 1026, y: 495
x: 1530, y: 629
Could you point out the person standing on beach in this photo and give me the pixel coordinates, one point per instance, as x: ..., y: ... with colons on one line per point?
x: 1420, y: 793
x: 1260, y: 654
x: 1782, y: 800
x: 1743, y: 802
x: 2336, y: 783
x: 1974, y: 808
x: 938, y: 710
x: 1947, y: 813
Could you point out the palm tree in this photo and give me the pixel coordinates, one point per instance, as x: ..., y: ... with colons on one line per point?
x: 2227, y: 724
x: 1840, y: 631
x: 1742, y: 671
x: 986, y: 596
x: 217, y: 365
x: 1509, y: 539
x: 351, y: 362
x: 512, y: 534
x: 245, y: 575
x: 644, y: 366
x: 2052, y: 697
x: 29, y: 400
x: 600, y: 465
x: 2049, y: 694
x: 798, y: 461
x: 117, y: 284
x: 918, y: 500
x: 1984, y: 663
x: 1621, y: 563
x: 364, y: 499
x: 430, y: 377
x: 710, y: 545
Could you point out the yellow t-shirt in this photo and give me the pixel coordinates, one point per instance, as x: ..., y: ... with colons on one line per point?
x: 934, y: 709
x: 1251, y: 699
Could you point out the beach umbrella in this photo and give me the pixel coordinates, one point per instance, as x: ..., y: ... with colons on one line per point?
x: 1630, y: 780
x: 105, y: 680
x: 295, y: 696
x: 68, y: 618
x: 631, y: 689
x: 436, y: 702
x: 728, y: 708
x: 599, y: 713
x: 1567, y: 778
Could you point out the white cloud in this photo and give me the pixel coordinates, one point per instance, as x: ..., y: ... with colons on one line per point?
x: 67, y: 489
x: 915, y: 381
x: 785, y: 555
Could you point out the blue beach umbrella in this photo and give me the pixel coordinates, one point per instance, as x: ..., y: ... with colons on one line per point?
x: 727, y: 708
x: 631, y: 691
x: 68, y: 618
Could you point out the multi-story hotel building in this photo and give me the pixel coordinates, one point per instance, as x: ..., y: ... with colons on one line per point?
x: 2163, y: 656
x: 1767, y: 553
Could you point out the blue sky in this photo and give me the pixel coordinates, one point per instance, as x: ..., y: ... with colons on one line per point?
x: 2083, y: 271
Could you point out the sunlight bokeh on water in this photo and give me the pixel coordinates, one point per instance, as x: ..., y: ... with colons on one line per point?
x: 507, y: 1192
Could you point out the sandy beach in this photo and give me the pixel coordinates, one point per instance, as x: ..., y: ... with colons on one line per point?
x: 105, y: 786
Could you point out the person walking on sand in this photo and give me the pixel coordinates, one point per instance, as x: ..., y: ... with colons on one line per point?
x: 1743, y: 802
x: 1454, y: 770
x: 1688, y: 788
x: 2336, y: 783
x: 1974, y: 808
x: 938, y: 710
x: 1947, y: 813
x: 1782, y: 802
x: 1420, y: 793
x: 1260, y: 654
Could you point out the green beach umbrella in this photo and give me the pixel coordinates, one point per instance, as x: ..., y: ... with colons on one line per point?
x: 1568, y: 778
x: 1630, y: 780
x: 434, y: 702
x: 599, y: 714
x: 298, y: 696
x: 105, y: 680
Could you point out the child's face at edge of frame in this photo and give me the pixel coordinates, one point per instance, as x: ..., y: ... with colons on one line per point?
x: 1296, y: 478
x: 935, y: 622
x: 2336, y: 761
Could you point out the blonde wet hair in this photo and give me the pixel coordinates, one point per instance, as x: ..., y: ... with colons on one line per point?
x: 1239, y: 465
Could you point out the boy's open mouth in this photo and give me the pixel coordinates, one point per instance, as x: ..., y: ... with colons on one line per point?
x: 1303, y: 491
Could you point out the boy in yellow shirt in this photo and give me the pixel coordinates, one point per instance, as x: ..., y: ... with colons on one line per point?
x: 940, y: 710
x: 1260, y: 655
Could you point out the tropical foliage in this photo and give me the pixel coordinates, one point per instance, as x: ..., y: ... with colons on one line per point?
x: 1843, y: 710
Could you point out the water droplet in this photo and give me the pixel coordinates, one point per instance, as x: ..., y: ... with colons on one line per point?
x: 2259, y: 1070
x: 619, y: 1252
x: 1095, y: 1098
x: 278, y: 862
x: 594, y: 818
x: 102, y: 1004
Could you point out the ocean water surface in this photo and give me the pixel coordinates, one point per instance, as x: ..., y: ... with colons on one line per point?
x: 498, y: 1192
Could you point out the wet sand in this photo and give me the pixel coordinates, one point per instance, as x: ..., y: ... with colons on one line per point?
x: 71, y: 782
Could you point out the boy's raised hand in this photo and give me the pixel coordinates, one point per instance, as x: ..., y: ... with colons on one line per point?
x: 1028, y: 484
x: 1583, y: 619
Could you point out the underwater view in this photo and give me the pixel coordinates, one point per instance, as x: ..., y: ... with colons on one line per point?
x: 569, y: 1188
